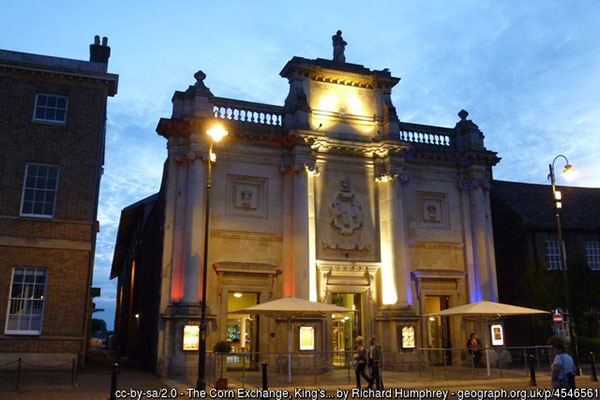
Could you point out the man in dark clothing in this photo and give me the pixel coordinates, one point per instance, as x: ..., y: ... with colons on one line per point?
x: 474, y: 346
x: 375, y: 360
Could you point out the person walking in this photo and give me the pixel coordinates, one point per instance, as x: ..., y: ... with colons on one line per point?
x: 375, y: 362
x: 563, y: 370
x: 474, y: 346
x: 360, y: 362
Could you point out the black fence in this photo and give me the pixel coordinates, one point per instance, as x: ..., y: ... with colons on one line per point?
x: 19, y: 374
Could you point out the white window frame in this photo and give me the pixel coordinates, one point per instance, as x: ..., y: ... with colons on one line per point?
x: 552, y: 264
x: 23, y: 214
x: 54, y: 121
x: 592, y: 255
x: 10, y: 299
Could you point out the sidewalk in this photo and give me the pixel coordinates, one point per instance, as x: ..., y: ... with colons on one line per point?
x: 94, y: 383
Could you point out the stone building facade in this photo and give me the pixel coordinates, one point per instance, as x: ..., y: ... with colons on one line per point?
x: 330, y: 198
x: 52, y: 132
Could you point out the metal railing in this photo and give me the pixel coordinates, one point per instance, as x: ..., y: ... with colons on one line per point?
x: 490, y: 362
x: 333, y: 368
x: 18, y: 374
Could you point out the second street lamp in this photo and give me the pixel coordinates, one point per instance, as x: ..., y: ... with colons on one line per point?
x: 216, y: 133
x: 568, y: 172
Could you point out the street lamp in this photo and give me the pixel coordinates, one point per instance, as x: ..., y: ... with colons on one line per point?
x: 216, y: 133
x: 568, y: 173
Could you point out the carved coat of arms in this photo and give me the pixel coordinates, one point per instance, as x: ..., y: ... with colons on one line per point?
x: 346, y: 212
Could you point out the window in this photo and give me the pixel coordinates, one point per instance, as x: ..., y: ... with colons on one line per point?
x: 39, y: 190
x: 592, y: 253
x: 50, y: 108
x: 26, y: 302
x: 553, y: 260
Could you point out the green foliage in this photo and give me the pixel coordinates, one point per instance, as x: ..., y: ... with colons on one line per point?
x: 98, y: 325
x: 557, y: 340
x: 222, y: 347
x: 588, y: 344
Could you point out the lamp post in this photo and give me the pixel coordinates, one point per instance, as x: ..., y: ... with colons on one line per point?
x: 567, y: 171
x: 216, y: 134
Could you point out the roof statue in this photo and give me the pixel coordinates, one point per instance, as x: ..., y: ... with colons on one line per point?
x: 338, y: 47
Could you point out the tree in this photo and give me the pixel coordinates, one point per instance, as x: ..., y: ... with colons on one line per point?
x: 98, y: 325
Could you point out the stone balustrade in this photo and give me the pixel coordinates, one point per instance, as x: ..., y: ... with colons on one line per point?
x: 423, y: 134
x: 247, y: 111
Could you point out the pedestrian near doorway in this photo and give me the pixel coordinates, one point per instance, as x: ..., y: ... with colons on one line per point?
x: 375, y: 363
x: 563, y: 370
x: 474, y: 346
x: 360, y: 362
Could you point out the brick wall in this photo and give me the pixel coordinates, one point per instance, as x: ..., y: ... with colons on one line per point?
x: 75, y: 147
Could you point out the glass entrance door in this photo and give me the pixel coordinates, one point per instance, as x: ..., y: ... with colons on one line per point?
x: 345, y: 327
x: 438, y: 329
x: 242, y: 331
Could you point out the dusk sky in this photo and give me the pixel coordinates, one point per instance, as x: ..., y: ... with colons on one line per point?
x: 528, y: 72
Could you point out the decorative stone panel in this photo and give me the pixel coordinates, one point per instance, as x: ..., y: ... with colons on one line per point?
x: 247, y: 196
x: 432, y: 210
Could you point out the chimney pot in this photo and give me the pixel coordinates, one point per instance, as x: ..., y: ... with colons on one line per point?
x: 99, y: 52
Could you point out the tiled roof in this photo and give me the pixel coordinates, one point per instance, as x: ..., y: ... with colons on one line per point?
x: 535, y: 205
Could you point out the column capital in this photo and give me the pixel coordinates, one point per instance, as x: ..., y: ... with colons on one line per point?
x: 390, y: 169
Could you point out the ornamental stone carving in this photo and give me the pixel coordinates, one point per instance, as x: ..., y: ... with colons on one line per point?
x: 346, y: 212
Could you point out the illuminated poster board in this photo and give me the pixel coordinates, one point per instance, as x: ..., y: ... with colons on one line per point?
x: 191, y: 333
x: 307, y: 338
x: 497, y: 335
x: 408, y: 337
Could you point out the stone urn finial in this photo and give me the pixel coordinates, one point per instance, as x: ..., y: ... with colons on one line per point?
x: 463, y: 114
x: 200, y: 76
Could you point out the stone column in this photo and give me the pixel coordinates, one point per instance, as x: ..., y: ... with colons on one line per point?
x: 394, y: 244
x: 178, y: 260
x: 169, y: 225
x: 389, y: 282
x: 472, y: 277
x: 300, y: 224
x: 194, y: 226
x: 401, y: 246
x: 482, y: 243
x: 288, y: 274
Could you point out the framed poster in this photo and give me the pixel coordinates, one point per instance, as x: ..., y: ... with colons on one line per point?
x: 307, y: 338
x: 497, y: 335
x: 408, y: 337
x: 191, y: 334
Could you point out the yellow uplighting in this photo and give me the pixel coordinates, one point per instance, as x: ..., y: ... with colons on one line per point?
x: 558, y: 204
x: 569, y: 172
x: 217, y: 133
x: 237, y: 294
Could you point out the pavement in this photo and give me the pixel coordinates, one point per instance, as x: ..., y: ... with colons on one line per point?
x: 93, y: 383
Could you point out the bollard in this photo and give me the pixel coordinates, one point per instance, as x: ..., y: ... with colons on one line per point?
x: 264, y: 375
x: 113, y: 381
x: 19, y: 375
x: 73, y: 372
x: 531, y: 360
x: 593, y: 366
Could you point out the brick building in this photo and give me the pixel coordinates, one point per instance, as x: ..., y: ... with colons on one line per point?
x: 528, y: 260
x: 52, y: 133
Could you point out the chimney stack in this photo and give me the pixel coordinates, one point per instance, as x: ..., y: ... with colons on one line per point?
x: 100, y: 52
